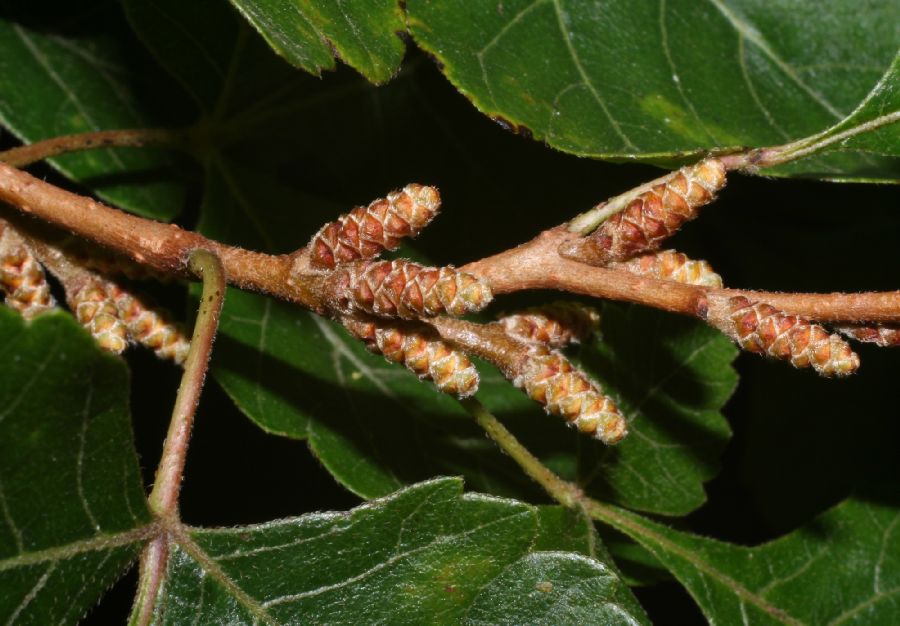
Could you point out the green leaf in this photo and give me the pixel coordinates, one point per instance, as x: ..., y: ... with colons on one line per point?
x: 657, y: 80
x: 72, y: 507
x: 365, y: 34
x: 841, y: 568
x: 873, y: 125
x: 63, y: 73
x: 427, y: 554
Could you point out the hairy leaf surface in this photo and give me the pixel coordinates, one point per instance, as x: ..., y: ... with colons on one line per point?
x: 427, y: 553
x: 841, y: 568
x: 72, y: 507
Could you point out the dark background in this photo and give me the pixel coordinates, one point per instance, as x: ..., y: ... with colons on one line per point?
x: 801, y: 443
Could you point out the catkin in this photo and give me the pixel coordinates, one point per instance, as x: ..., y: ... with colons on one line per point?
x: 671, y: 265
x: 763, y: 329
x: 450, y: 370
x: 94, y: 306
x: 407, y: 290
x: 550, y: 379
x: 366, y: 231
x: 653, y: 216
x: 555, y: 325
x: 150, y: 328
x: 883, y: 336
x: 22, y: 278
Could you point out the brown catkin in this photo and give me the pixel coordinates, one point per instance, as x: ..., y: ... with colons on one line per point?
x: 549, y: 378
x: 653, y: 216
x: 150, y: 328
x: 671, y: 265
x: 408, y: 290
x: 94, y: 306
x: 555, y: 325
x: 366, y: 231
x: 883, y: 336
x: 22, y: 278
x: 451, y: 371
x: 761, y: 328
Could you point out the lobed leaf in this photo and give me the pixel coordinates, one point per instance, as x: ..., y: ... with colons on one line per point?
x: 72, y: 507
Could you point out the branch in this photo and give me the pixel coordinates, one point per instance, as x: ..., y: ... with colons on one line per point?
x: 136, y: 138
x: 538, y: 265
x: 534, y: 265
x: 162, y: 247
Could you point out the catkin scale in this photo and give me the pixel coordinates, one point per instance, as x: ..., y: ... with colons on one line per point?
x: 451, y: 371
x: 555, y: 325
x: 366, y: 231
x: 550, y: 379
x: 671, y: 265
x: 94, y: 307
x: 407, y: 290
x: 653, y: 216
x: 763, y: 329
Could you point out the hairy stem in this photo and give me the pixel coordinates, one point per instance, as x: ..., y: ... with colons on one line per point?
x: 154, y: 559
x: 164, y: 497
x: 132, y: 138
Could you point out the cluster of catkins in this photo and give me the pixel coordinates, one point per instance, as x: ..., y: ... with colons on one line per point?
x: 114, y: 317
x: 630, y: 240
x: 372, y: 297
x: 384, y: 303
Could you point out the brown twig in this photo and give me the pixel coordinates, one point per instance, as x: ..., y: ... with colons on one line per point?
x: 537, y: 265
x: 534, y: 265
x: 22, y: 156
x: 162, y: 247
x: 164, y: 497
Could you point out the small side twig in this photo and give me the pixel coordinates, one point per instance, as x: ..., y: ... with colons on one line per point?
x: 23, y: 156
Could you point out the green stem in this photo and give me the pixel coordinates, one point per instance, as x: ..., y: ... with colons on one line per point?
x: 566, y: 493
x: 164, y: 497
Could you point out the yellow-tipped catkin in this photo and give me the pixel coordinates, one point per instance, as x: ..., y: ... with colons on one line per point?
x: 150, y: 328
x: 407, y: 290
x: 885, y: 336
x: 450, y: 370
x: 366, y: 231
x: 94, y: 307
x: 555, y: 325
x: 549, y: 378
x: 671, y: 265
x: 653, y: 216
x: 22, y: 278
x: 761, y: 328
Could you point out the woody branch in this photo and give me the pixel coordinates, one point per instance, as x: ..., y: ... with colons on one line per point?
x: 534, y: 265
